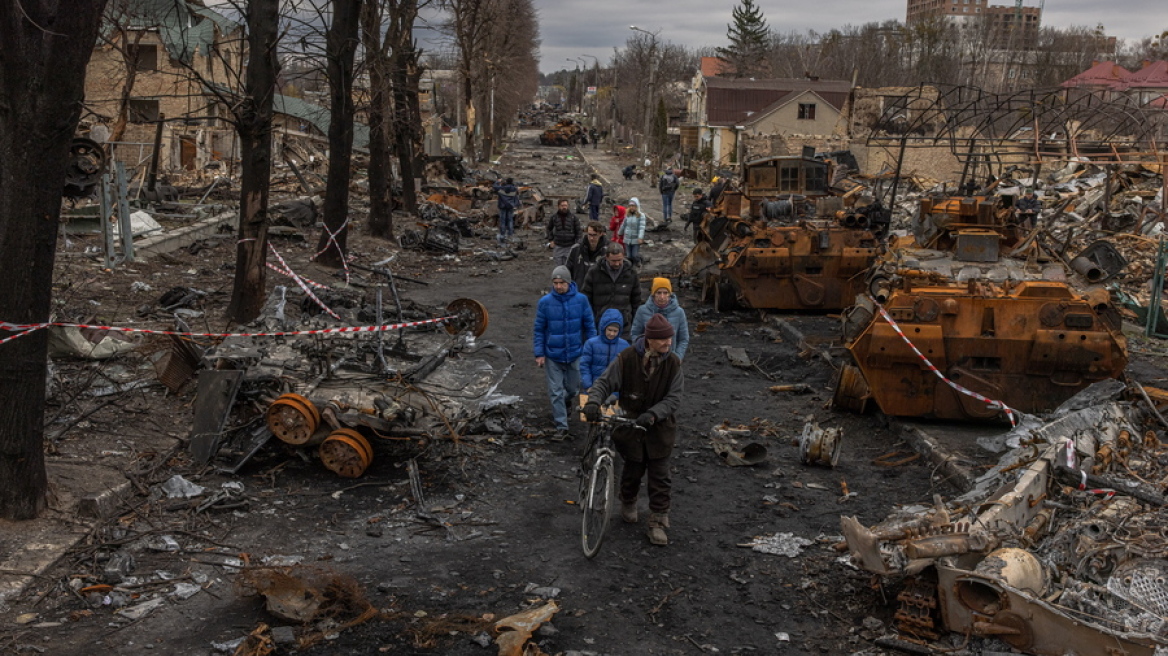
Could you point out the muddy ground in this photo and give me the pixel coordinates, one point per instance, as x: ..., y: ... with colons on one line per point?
x: 508, y: 534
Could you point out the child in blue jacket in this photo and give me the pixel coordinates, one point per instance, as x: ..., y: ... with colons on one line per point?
x: 603, y: 348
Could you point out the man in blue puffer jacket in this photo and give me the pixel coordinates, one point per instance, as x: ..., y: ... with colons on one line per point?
x: 563, y: 322
x: 602, y: 349
x: 665, y: 303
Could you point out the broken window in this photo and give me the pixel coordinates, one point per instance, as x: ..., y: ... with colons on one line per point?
x: 789, y: 178
x: 816, y: 178
x: 143, y: 57
x: 143, y: 110
x: 807, y: 111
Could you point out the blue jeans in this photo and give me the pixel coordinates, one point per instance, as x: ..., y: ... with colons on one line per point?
x: 667, y: 206
x: 634, y: 253
x: 506, y: 223
x: 593, y: 212
x: 563, y: 383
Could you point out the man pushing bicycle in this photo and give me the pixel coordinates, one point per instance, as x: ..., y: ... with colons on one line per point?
x: 648, y: 377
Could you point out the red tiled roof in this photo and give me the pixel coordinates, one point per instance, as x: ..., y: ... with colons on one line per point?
x: 1159, y: 103
x: 1103, y: 74
x: 712, y: 66
x: 743, y: 101
x: 1154, y: 75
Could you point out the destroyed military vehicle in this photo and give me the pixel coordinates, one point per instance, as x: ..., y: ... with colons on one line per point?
x: 1058, y: 549
x: 974, y: 297
x: 782, y: 240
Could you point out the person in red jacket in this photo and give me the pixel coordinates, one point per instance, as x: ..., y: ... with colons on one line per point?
x: 615, y: 223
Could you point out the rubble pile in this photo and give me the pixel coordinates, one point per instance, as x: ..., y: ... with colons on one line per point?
x: 1058, y: 548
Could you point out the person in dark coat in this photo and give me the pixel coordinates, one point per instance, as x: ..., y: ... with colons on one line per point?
x: 667, y: 185
x: 613, y: 283
x: 563, y: 231
x: 593, y: 198
x: 587, y: 252
x: 697, y: 211
x: 508, y: 202
x: 1026, y: 208
x: 563, y: 323
x: 649, y: 379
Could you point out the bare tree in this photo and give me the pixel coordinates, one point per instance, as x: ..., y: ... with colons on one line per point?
x: 253, y: 124
x: 45, y: 46
x: 341, y: 40
x: 377, y: 62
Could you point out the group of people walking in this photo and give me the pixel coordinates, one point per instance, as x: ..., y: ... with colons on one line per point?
x: 579, y: 336
x: 579, y: 352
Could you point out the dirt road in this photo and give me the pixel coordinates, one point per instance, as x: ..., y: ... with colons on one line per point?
x: 501, y: 532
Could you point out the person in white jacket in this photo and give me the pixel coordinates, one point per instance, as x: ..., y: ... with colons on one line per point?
x: 633, y: 230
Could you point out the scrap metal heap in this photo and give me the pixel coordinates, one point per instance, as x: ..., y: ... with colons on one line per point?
x: 784, y: 241
x: 982, y: 302
x: 346, y: 392
x: 1061, y: 548
x: 567, y: 132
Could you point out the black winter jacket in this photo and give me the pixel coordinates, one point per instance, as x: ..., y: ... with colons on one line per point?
x: 563, y: 229
x: 605, y: 291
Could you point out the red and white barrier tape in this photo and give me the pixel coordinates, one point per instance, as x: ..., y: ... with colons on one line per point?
x: 26, y: 329
x: 303, y: 285
x: 997, y: 405
x: 332, y: 241
x: 288, y: 272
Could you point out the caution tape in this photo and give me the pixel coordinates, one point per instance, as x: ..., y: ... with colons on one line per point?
x: 26, y: 329
x: 997, y: 405
x: 288, y: 272
x: 303, y: 285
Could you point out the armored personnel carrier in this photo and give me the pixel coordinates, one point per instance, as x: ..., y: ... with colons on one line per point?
x: 969, y: 298
x: 780, y: 239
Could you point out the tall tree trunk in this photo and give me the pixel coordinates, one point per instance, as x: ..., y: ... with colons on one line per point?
x: 468, y: 91
x: 254, y: 125
x: 118, y: 130
x: 341, y: 45
x: 380, y: 166
x: 45, y: 46
x: 407, y: 115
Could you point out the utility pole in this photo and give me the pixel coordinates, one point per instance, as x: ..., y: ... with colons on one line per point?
x: 652, y: 85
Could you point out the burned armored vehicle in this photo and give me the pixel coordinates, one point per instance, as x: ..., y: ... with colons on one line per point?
x: 1058, y: 549
x: 781, y: 239
x: 971, y: 316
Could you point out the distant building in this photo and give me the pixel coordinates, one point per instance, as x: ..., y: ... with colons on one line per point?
x: 721, y: 110
x: 1011, y: 27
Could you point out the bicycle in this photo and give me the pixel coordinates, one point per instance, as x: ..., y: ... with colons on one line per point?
x: 597, y: 481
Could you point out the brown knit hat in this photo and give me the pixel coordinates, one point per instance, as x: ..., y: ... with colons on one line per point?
x: 658, y: 327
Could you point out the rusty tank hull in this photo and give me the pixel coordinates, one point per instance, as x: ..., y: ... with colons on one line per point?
x: 1030, y: 347
x: 1010, y: 329
x: 783, y: 241
x: 811, y: 266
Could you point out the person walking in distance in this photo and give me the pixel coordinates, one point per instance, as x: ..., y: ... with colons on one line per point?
x: 563, y: 231
x: 633, y: 230
x: 563, y: 323
x: 663, y: 302
x: 594, y: 197
x: 697, y: 212
x: 508, y: 202
x: 615, y: 222
x: 649, y: 379
x: 612, y: 285
x: 667, y: 185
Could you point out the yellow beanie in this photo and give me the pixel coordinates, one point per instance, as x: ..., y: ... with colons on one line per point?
x: 659, y: 283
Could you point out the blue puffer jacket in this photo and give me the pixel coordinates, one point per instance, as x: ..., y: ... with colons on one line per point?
x: 563, y: 322
x: 673, y: 313
x: 600, y: 350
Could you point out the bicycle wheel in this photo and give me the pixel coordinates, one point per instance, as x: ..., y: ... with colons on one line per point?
x: 601, y: 490
x: 587, y: 461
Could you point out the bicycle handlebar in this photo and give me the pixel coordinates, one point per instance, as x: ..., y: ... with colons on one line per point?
x: 618, y: 420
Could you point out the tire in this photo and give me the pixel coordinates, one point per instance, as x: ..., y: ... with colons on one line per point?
x: 598, y: 502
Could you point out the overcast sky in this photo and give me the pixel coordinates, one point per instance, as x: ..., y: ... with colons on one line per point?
x: 572, y: 28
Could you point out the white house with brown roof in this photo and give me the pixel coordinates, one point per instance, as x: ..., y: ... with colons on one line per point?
x: 720, y: 109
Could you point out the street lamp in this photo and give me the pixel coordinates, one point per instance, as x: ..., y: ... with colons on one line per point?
x: 649, y: 95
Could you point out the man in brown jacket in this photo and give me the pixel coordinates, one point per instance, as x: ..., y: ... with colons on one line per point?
x: 648, y: 377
